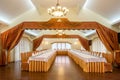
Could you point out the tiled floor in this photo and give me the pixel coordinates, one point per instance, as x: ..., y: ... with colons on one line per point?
x: 63, y: 68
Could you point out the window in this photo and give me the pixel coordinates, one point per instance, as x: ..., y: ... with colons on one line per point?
x: 61, y: 46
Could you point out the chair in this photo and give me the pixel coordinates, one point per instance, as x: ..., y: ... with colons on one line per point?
x: 108, y: 67
x: 25, y: 66
x: 24, y: 59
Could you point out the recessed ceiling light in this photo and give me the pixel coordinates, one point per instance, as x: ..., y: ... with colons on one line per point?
x: 115, y: 21
x: 85, y: 4
x: 4, y: 20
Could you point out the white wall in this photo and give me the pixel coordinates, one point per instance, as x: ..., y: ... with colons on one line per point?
x: 44, y: 45
x: 47, y: 44
x: 76, y: 45
x: 97, y: 45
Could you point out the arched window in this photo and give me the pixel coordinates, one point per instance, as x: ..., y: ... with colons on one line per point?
x: 61, y: 46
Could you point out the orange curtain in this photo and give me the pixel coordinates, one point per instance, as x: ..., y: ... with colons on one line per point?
x: 9, y: 40
x: 0, y: 50
x: 37, y: 42
x: 110, y: 40
x: 108, y: 37
x: 11, y: 37
x: 85, y: 43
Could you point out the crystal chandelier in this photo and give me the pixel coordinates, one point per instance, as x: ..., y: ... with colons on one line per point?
x: 58, y: 11
x: 60, y: 32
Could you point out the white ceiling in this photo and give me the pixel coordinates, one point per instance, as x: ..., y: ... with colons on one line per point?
x: 11, y: 9
x: 2, y: 26
x: 70, y: 4
x: 83, y: 33
x: 67, y: 3
x: 110, y: 9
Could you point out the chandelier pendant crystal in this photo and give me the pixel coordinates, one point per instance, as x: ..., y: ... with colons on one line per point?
x: 60, y: 32
x: 58, y: 11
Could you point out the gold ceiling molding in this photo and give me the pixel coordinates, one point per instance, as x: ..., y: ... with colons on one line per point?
x: 60, y: 24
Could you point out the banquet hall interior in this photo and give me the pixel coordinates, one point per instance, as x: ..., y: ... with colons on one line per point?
x: 59, y: 39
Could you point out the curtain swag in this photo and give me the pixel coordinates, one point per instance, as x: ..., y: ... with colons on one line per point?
x: 10, y: 38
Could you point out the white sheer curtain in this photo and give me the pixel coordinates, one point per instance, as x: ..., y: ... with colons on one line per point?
x: 25, y: 45
x: 61, y: 46
x: 98, y: 46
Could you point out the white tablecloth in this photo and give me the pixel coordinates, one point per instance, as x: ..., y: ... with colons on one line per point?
x: 45, y: 56
x: 87, y: 57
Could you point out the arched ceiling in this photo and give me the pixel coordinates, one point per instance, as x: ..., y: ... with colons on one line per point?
x: 83, y: 33
x: 12, y: 9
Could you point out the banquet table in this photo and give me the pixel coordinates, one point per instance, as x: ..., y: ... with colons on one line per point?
x: 88, y: 62
x: 41, y: 62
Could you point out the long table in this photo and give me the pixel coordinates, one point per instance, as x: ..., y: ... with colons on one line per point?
x: 41, y: 62
x: 62, y: 52
x: 88, y: 62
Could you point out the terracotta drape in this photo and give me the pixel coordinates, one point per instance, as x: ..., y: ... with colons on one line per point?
x: 37, y: 42
x: 11, y: 37
x: 83, y: 41
x: 9, y: 40
x: 109, y: 38
x: 0, y: 50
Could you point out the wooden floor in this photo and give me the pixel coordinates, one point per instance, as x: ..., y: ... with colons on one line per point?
x: 62, y: 69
